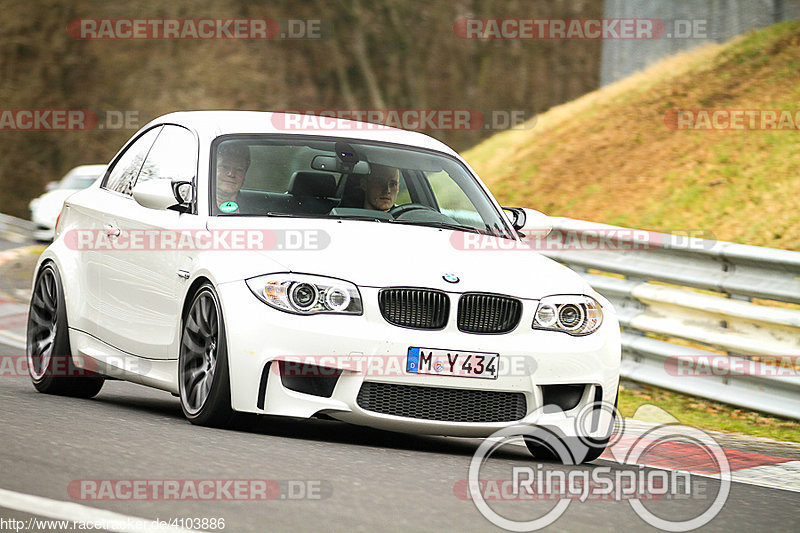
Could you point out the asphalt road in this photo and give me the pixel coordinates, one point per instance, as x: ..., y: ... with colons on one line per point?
x: 360, y: 479
x: 7, y: 245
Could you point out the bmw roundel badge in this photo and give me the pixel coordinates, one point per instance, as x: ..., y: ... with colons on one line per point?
x: 450, y: 278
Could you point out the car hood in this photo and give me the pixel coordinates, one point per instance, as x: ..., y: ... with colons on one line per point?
x: 380, y: 254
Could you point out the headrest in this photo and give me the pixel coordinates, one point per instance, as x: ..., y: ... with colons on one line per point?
x: 319, y: 184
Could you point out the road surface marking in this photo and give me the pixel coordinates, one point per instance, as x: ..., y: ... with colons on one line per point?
x: 61, y: 510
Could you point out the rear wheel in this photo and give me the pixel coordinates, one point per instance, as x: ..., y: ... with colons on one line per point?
x: 203, y: 376
x: 50, y: 363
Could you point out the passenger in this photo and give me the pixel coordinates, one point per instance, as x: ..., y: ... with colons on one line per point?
x: 381, y: 187
x: 233, y: 160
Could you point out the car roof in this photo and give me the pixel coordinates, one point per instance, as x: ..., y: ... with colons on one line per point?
x: 211, y: 124
x: 88, y: 169
x: 85, y: 170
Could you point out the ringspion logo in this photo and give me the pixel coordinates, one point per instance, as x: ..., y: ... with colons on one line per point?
x: 631, y: 481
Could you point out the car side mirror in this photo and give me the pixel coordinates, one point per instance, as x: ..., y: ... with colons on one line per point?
x: 183, y: 191
x: 164, y: 194
x: 529, y: 223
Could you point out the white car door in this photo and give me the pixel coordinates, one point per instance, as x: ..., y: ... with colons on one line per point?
x: 91, y: 211
x: 141, y: 284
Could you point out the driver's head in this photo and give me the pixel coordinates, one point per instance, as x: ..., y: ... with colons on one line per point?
x: 380, y: 187
x: 233, y: 160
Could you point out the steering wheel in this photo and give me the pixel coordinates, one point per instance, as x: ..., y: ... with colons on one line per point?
x: 400, y: 210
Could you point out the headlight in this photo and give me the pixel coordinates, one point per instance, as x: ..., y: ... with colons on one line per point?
x: 573, y: 314
x: 304, y: 294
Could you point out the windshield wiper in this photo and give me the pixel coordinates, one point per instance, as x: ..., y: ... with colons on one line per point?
x: 497, y: 231
x: 333, y: 217
x: 441, y: 225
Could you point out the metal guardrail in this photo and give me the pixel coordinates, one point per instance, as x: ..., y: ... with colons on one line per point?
x: 720, y: 345
x: 16, y: 229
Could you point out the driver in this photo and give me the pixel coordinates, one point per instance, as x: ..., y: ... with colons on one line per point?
x: 381, y: 187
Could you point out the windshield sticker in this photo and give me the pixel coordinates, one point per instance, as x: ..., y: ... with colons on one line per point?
x: 228, y: 207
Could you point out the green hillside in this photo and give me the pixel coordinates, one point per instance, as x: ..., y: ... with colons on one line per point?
x: 611, y: 156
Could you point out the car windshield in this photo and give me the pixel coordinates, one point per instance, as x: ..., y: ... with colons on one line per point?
x: 343, y: 178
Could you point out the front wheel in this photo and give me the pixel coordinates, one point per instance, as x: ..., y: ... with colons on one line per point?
x: 548, y: 445
x: 203, y: 376
x: 49, y: 355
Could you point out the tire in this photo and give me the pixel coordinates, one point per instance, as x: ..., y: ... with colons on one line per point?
x: 49, y: 355
x: 547, y: 445
x: 203, y: 374
x: 569, y: 451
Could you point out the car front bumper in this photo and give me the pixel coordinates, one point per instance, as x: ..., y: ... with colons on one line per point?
x: 367, y: 349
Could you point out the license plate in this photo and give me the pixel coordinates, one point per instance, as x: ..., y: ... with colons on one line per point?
x: 452, y: 363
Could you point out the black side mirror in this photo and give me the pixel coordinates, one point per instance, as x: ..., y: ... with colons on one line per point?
x: 184, y: 194
x: 516, y: 215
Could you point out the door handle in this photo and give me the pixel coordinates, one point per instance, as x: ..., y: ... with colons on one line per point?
x: 111, y: 230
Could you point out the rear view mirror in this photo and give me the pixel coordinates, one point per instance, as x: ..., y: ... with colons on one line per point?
x: 330, y: 163
x: 362, y: 167
x: 325, y: 162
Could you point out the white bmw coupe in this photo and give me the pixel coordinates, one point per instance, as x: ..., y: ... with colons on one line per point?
x: 253, y: 262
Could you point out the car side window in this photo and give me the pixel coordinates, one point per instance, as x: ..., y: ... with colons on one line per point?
x: 172, y: 157
x: 403, y: 194
x: 123, y: 174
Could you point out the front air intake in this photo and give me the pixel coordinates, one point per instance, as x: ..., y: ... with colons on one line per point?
x: 437, y: 403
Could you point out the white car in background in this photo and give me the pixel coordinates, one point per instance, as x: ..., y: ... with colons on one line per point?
x: 45, y: 208
x: 295, y: 300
